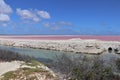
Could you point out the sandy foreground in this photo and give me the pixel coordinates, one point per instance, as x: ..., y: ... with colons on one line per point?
x: 18, y: 68
x: 9, y: 66
x: 76, y: 45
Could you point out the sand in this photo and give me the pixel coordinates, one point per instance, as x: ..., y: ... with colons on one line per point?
x: 9, y: 66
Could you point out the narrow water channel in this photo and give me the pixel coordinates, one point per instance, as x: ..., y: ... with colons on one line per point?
x: 49, y: 55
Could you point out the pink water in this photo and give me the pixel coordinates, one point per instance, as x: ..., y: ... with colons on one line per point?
x: 63, y: 37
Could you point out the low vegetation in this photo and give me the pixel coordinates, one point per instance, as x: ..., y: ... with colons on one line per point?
x: 84, y: 68
x: 6, y: 55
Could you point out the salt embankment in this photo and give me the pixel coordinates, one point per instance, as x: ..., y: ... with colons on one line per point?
x: 72, y: 45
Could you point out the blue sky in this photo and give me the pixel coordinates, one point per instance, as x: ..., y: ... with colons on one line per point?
x: 80, y: 17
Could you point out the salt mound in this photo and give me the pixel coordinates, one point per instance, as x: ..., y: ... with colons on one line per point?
x: 75, y: 39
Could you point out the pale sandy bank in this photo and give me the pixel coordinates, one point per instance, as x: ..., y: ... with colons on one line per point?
x: 9, y: 66
x: 73, y: 45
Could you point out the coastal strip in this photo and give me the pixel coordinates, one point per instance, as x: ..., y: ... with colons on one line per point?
x: 76, y: 45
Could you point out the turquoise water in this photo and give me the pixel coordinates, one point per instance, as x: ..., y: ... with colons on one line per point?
x: 49, y: 55
x: 43, y: 55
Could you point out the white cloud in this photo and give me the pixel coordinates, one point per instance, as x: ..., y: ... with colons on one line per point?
x: 4, y: 24
x: 4, y: 18
x: 4, y: 8
x: 65, y: 23
x: 47, y: 25
x: 25, y: 14
x: 28, y: 14
x: 57, y: 25
x: 36, y: 19
x: 33, y: 15
x: 44, y: 14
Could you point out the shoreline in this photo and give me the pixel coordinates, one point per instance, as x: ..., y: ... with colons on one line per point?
x: 75, y: 45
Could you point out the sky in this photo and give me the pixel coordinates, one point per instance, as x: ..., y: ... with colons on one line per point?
x: 60, y: 17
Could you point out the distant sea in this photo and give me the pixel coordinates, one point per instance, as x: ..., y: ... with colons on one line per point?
x: 63, y: 37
